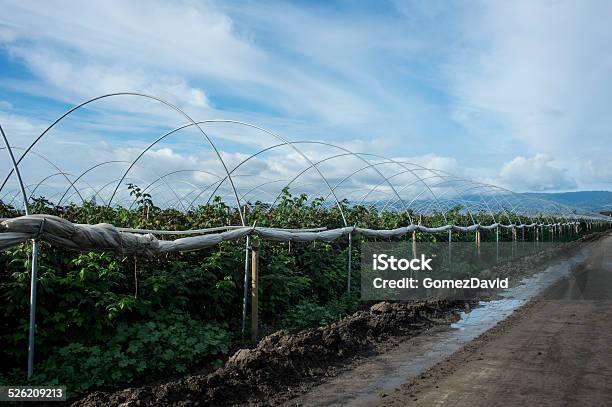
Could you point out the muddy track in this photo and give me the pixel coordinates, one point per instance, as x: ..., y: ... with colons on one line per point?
x: 284, y: 365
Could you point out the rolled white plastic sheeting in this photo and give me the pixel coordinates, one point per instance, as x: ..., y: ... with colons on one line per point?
x: 104, y: 236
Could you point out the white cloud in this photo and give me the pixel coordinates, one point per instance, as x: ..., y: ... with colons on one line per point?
x: 536, y: 173
x: 433, y: 161
x: 535, y: 72
x: 85, y: 80
x: 597, y: 171
x: 76, y: 53
x: 19, y: 129
x: 6, y: 34
x: 186, y: 37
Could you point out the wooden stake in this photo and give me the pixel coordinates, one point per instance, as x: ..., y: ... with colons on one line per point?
x: 254, y: 291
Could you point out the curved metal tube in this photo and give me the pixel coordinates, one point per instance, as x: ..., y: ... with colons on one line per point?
x: 126, y: 94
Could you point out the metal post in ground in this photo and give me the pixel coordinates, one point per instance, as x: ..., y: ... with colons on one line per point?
x: 497, y: 244
x: 246, y: 282
x: 350, y: 264
x: 32, y: 309
x: 245, y: 290
x: 254, y: 290
x: 32, y: 326
x: 478, y: 241
x: 552, y: 234
x: 450, y: 248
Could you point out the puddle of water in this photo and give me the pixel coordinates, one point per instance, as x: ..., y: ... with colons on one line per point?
x: 489, y: 313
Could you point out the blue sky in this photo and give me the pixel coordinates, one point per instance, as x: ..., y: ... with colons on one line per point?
x: 512, y: 93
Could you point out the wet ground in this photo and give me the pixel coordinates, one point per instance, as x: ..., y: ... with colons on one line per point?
x: 554, y: 351
x: 381, y: 375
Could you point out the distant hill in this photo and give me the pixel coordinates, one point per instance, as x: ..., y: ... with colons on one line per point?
x: 581, y: 201
x: 595, y: 201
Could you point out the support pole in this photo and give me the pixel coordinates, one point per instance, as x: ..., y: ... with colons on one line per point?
x: 414, y: 244
x: 245, y: 283
x: 350, y: 264
x: 450, y: 247
x: 552, y: 234
x: 478, y: 242
x: 34, y: 259
x: 497, y: 244
x: 32, y: 309
x: 254, y: 290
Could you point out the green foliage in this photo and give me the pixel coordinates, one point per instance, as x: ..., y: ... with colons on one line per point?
x: 308, y: 313
x: 106, y: 320
x: 143, y: 199
x: 170, y: 342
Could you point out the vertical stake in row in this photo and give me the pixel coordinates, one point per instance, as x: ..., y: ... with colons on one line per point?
x: 34, y: 259
x: 350, y: 264
x: 246, y: 282
x: 497, y: 244
x: 32, y: 309
x: 254, y: 289
x: 450, y: 247
x: 246, y: 277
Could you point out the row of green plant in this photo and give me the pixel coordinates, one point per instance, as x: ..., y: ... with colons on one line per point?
x: 105, y: 320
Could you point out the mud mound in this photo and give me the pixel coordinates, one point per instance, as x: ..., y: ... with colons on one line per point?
x: 282, y: 360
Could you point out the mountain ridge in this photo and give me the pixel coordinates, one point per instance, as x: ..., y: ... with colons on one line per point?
x: 595, y: 201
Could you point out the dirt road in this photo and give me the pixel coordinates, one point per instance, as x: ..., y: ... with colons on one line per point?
x: 554, y: 351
